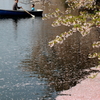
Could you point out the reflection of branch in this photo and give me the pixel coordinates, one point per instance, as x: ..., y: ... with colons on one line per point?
x: 61, y: 69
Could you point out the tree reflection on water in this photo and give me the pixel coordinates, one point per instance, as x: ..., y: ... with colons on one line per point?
x: 63, y: 66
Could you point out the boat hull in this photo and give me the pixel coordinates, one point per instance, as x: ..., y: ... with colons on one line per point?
x: 20, y: 13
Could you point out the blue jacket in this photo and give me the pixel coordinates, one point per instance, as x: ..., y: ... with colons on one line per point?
x: 33, y: 9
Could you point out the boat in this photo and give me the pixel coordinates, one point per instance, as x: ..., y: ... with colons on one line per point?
x: 20, y: 13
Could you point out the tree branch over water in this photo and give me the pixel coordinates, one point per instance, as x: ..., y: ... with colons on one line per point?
x: 87, y: 19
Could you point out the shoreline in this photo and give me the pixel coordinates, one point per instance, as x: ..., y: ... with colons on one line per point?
x: 88, y: 89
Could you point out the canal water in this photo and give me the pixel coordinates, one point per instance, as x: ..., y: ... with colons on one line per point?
x: 29, y: 68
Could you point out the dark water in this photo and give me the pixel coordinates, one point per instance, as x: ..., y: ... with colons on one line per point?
x: 29, y: 68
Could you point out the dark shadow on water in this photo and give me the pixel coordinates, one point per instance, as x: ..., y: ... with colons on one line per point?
x: 63, y: 66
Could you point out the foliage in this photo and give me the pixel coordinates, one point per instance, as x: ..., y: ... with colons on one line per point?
x: 93, y: 76
x: 95, y: 45
x: 82, y: 23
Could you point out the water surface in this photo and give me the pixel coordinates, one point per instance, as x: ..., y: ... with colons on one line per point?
x: 29, y: 68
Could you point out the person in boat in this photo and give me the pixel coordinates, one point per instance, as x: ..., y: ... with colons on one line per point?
x: 33, y: 9
x: 15, y: 6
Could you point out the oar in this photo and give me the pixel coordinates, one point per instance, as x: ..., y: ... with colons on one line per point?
x: 28, y: 13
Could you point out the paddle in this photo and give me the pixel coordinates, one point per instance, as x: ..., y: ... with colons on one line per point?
x: 29, y: 13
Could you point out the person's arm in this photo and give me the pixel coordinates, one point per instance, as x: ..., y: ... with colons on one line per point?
x: 15, y: 6
x: 18, y: 7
